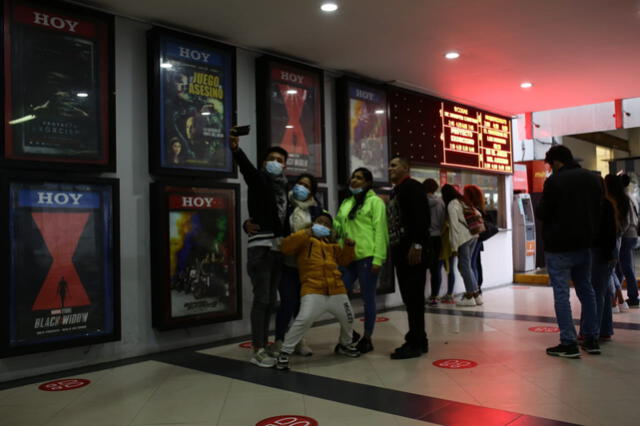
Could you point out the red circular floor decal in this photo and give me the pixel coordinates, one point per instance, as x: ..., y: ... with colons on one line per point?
x: 248, y: 345
x: 455, y: 364
x: 64, y: 385
x: 288, y: 420
x: 378, y: 319
x: 544, y: 329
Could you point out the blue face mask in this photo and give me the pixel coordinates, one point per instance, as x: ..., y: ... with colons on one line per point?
x: 320, y: 231
x: 300, y: 193
x: 356, y: 191
x: 274, y: 168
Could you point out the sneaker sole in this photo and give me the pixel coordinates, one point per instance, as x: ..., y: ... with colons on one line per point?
x: 281, y: 368
x: 592, y: 351
x: 564, y: 355
x: 262, y: 364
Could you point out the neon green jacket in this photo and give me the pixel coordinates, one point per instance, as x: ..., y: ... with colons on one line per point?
x: 368, y: 229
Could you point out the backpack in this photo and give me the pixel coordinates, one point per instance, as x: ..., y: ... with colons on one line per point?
x: 474, y: 219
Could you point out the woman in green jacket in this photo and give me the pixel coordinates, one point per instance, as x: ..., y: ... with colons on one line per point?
x: 363, y: 218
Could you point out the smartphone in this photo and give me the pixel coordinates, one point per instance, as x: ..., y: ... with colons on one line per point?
x: 240, y: 130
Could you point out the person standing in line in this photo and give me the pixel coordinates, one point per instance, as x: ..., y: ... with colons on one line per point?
x: 363, y: 218
x: 629, y: 241
x: 267, y: 203
x: 438, y: 214
x: 463, y: 242
x: 570, y: 210
x: 474, y: 194
x: 409, y: 220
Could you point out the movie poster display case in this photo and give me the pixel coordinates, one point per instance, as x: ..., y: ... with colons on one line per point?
x: 58, y: 104
x: 192, y: 105
x: 362, y: 118
x: 61, y: 285
x: 290, y: 106
x: 195, y: 252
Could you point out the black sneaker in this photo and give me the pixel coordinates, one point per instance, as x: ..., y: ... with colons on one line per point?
x: 364, y: 345
x: 350, y: 350
x: 565, y: 351
x: 591, y: 346
x: 406, y: 351
x: 633, y: 304
x: 424, y: 348
x: 355, y: 337
x: 283, y: 361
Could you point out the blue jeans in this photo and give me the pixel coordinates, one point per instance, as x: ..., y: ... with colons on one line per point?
x: 361, y: 270
x: 601, y: 270
x: 289, y: 291
x: 576, y: 266
x: 451, y: 276
x: 476, y: 264
x: 464, y: 265
x: 627, y: 266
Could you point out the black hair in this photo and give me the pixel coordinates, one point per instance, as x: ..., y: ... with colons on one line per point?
x: 403, y: 160
x: 277, y: 149
x: 312, y: 179
x: 449, y: 193
x: 430, y: 186
x: 368, y: 178
x: 625, y: 179
x: 559, y: 153
x: 614, y: 186
x: 324, y: 213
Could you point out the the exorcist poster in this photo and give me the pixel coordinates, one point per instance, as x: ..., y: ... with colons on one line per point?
x: 198, y: 262
x: 57, y: 84
x: 62, y: 279
x: 295, y: 119
x: 368, y: 144
x: 196, y: 101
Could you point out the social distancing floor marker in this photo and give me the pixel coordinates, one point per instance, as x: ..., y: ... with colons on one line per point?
x: 64, y: 385
x: 288, y: 420
x: 544, y: 329
x: 455, y: 364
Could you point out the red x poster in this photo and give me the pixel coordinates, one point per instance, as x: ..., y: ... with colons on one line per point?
x: 292, y: 114
x: 62, y: 279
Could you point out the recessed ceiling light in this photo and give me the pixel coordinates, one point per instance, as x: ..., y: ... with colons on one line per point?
x: 452, y: 55
x: 329, y: 6
x: 206, y: 113
x: 289, y: 126
x: 82, y: 95
x: 526, y: 85
x: 166, y: 65
x: 292, y: 92
x: 379, y: 111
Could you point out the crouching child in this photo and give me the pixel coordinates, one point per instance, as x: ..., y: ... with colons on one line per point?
x: 318, y: 256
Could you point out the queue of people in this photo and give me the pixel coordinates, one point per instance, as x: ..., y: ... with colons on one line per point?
x: 295, y: 248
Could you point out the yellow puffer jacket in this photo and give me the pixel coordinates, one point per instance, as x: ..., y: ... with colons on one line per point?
x: 318, y: 262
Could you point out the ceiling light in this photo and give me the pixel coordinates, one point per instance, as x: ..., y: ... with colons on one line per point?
x: 526, y: 85
x: 292, y: 92
x: 379, y: 111
x: 166, y: 65
x: 289, y: 126
x: 205, y: 113
x: 82, y: 95
x: 329, y: 6
x: 452, y: 55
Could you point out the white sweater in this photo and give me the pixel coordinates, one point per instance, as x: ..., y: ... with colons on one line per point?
x: 458, y: 230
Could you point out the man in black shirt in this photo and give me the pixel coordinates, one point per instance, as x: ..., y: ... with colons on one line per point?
x: 408, y: 217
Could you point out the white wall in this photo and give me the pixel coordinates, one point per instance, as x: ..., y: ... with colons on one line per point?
x: 138, y: 337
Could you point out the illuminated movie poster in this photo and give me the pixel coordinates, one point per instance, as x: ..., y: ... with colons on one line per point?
x: 196, y: 275
x: 58, y: 86
x: 368, y: 142
x: 63, y: 282
x: 290, y: 105
x: 193, y: 102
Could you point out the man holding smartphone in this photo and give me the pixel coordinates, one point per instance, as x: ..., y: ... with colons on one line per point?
x: 267, y: 204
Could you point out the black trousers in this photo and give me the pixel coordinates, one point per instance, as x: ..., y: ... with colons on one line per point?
x: 411, y: 280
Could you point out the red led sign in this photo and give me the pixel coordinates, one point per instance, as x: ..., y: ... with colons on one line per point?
x: 474, y: 139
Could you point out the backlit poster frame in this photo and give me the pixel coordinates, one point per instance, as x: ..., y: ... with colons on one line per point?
x: 58, y: 104
x: 62, y: 269
x: 363, y: 129
x: 195, y: 252
x: 290, y: 112
x: 192, y: 105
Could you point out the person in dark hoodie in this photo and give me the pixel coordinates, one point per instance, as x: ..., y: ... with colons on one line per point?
x: 267, y: 202
x: 570, y: 210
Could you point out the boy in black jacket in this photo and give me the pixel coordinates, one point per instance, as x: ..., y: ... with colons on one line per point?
x: 267, y: 202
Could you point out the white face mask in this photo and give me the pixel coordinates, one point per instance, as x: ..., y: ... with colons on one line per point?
x: 274, y: 167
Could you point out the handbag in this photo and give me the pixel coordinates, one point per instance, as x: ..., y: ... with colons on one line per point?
x: 490, y: 231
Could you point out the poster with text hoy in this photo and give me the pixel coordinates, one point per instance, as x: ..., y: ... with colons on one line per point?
x: 195, y: 252
x: 290, y: 114
x: 63, y: 280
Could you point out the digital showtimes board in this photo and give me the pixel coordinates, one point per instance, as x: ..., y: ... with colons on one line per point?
x: 475, y: 139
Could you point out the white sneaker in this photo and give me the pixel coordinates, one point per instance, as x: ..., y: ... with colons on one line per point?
x: 616, y: 309
x: 303, y: 349
x: 262, y: 359
x: 466, y: 301
x: 624, y: 307
x: 478, y: 299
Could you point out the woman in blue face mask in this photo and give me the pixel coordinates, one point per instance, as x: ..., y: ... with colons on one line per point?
x: 363, y: 218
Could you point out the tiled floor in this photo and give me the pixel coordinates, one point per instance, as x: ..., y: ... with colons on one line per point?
x: 513, y: 374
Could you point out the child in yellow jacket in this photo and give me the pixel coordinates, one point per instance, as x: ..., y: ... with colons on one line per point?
x: 318, y: 257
